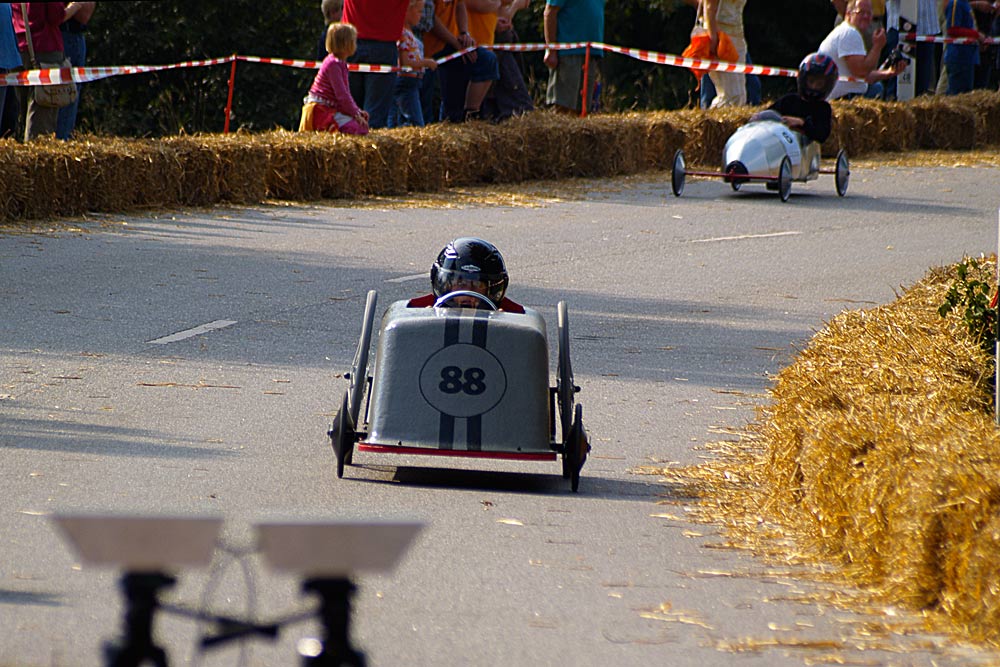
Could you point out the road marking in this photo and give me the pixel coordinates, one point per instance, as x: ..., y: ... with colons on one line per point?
x: 745, y: 236
x: 404, y: 279
x: 197, y: 331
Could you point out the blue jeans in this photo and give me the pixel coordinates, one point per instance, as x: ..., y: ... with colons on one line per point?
x: 373, y: 91
x: 960, y: 78
x: 925, y: 68
x: 875, y: 91
x: 430, y: 97
x: 406, y: 109
x: 74, y: 48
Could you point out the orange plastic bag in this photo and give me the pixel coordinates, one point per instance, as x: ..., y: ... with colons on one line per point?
x: 699, y: 48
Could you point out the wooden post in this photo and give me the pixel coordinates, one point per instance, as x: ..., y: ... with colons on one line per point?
x: 229, y: 102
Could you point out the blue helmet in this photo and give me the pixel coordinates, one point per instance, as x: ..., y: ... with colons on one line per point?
x: 817, y: 76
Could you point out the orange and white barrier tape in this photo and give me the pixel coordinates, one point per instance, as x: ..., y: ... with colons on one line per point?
x: 47, y: 77
x: 937, y: 39
x: 43, y: 77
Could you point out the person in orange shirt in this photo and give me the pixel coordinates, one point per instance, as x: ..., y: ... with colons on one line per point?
x: 466, y: 80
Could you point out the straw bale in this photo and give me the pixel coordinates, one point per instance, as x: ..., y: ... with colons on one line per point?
x: 943, y: 122
x: 986, y: 107
x: 296, y: 165
x: 878, y: 452
x: 15, y: 175
x: 240, y: 165
x: 706, y: 133
x: 47, y: 178
x: 423, y: 159
x: 664, y: 137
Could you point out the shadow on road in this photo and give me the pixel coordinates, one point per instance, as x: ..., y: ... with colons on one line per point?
x: 515, y: 482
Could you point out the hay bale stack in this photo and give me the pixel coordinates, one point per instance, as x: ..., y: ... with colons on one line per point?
x: 49, y: 178
x: 706, y: 133
x: 944, y: 122
x: 16, y: 179
x: 863, y: 127
x: 663, y: 137
x: 848, y: 131
x: 297, y: 165
x: 881, y: 455
x: 985, y: 105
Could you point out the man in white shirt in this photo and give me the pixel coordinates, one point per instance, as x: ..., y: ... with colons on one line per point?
x: 846, y: 45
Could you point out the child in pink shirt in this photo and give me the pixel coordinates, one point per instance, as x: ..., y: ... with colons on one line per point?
x: 329, y: 106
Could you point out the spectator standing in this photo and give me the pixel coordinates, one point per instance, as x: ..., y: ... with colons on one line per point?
x: 10, y: 59
x: 329, y: 106
x: 430, y: 94
x: 846, y: 45
x: 43, y: 21
x: 509, y: 95
x: 960, y: 60
x: 985, y: 12
x: 333, y: 11
x: 927, y: 24
x: 75, y: 48
x: 466, y: 80
x: 379, y: 24
x: 568, y: 21
x: 754, y: 91
x: 726, y: 16
x: 891, y: 41
x: 406, y: 108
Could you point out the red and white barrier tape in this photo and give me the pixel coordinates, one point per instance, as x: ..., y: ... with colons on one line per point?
x: 937, y: 39
x: 45, y: 77
x: 42, y: 77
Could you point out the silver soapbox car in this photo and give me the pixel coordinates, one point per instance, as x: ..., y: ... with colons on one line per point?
x: 767, y: 151
x: 466, y: 382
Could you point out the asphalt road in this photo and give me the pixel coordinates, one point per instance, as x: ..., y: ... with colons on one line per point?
x: 680, y: 309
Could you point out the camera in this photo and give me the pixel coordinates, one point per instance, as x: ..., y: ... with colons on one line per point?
x: 897, y: 55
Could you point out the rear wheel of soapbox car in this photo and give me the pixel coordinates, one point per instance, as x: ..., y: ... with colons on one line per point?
x: 785, y: 178
x: 733, y: 173
x: 575, y: 444
x: 343, y: 432
x: 842, y: 173
x: 678, y: 173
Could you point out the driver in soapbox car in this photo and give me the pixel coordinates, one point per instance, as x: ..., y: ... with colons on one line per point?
x: 469, y: 265
x: 463, y: 371
x: 782, y: 143
x: 807, y: 111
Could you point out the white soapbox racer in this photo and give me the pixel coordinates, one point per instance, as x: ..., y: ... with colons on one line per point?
x: 766, y: 151
x: 463, y: 382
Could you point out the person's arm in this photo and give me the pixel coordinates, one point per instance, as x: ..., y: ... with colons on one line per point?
x: 81, y: 11
x: 550, y: 24
x: 336, y: 76
x: 464, y: 38
x: 818, y: 125
x: 509, y: 8
x: 866, y: 66
x: 711, y: 18
x: 462, y: 21
x: 440, y: 30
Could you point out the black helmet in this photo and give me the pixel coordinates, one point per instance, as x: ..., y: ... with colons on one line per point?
x: 469, y: 263
x: 817, y: 76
